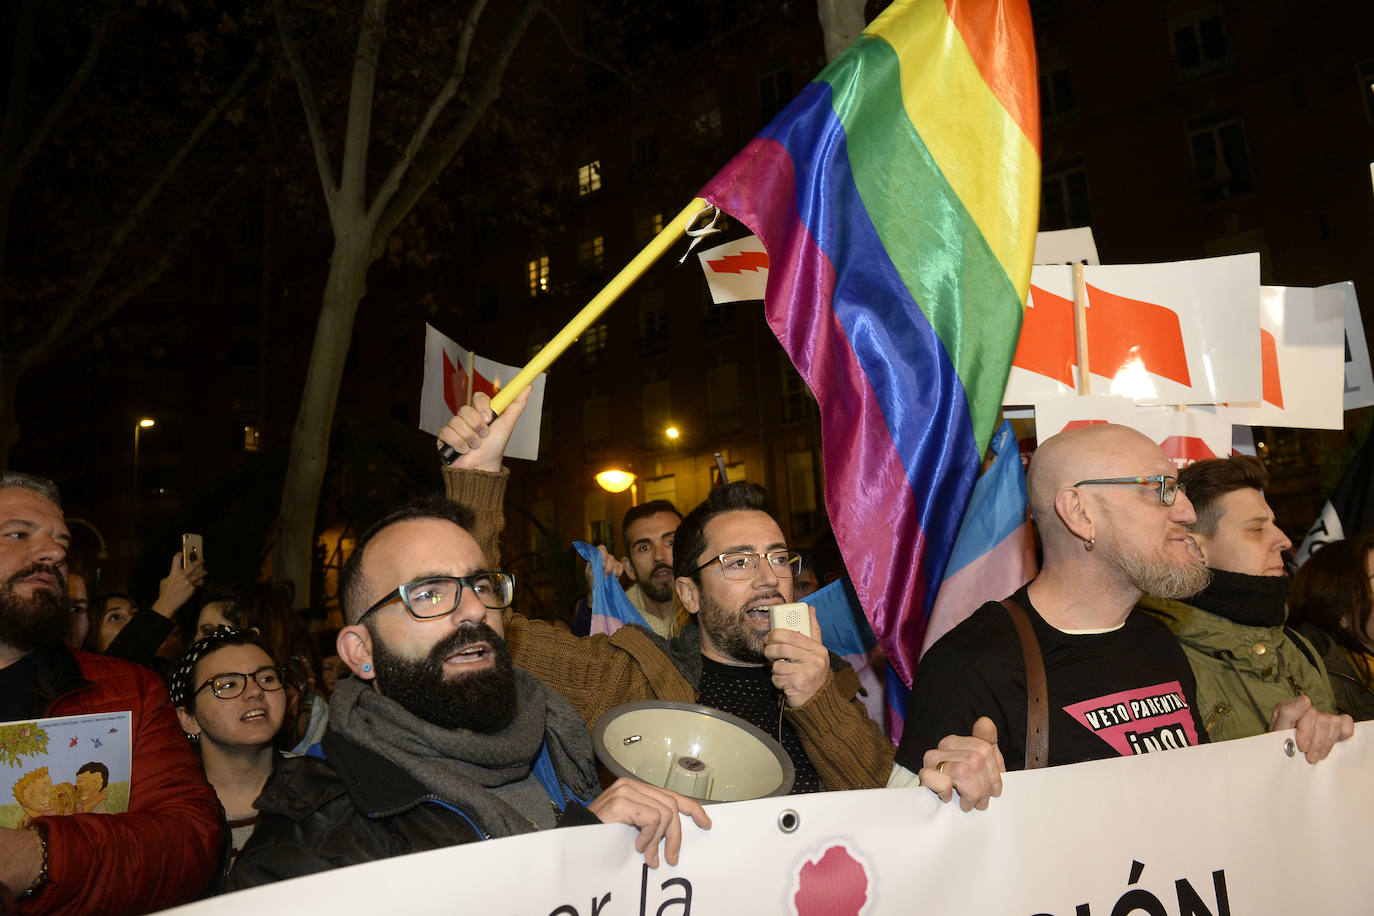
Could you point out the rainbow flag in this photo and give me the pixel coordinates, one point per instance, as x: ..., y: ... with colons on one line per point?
x: 897, y: 197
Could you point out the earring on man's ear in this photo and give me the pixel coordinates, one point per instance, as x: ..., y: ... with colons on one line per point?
x: 367, y: 666
x: 1088, y: 544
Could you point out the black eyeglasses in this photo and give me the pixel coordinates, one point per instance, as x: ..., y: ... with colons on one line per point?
x: 1168, y: 486
x: 744, y: 564
x: 231, y: 684
x: 437, y: 596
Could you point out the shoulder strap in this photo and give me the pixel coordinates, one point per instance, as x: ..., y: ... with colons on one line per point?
x: 1301, y: 642
x: 1037, y: 692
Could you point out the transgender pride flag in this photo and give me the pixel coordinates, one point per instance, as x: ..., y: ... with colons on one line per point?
x: 897, y: 197
x: 613, y: 607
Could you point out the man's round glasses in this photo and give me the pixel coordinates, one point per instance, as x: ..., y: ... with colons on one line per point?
x: 745, y: 563
x: 231, y: 684
x: 437, y: 596
x: 1168, y: 486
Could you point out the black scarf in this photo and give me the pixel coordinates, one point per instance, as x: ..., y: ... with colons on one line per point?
x: 462, y: 767
x: 1252, y: 601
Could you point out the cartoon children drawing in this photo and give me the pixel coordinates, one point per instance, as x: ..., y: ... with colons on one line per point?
x: 33, y: 791
x: 92, y: 787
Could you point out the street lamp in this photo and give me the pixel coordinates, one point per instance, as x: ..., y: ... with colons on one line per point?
x: 672, y: 432
x: 142, y: 424
x: 618, y: 481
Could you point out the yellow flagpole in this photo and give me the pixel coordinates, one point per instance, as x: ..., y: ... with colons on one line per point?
x: 602, y: 301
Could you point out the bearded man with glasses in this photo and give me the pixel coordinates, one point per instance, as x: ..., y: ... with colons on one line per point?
x: 1113, y: 682
x: 437, y: 739
x: 731, y: 563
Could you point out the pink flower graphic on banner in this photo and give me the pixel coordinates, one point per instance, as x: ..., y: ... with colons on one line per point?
x: 836, y: 884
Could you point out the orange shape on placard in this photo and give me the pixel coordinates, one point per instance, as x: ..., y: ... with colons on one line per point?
x: 455, y: 385
x: 1123, y: 331
x: 738, y: 263
x: 1046, y: 343
x: 1269, y: 363
x: 1186, y: 449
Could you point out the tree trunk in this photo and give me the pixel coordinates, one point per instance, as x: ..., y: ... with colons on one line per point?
x: 841, y: 23
x: 300, y: 498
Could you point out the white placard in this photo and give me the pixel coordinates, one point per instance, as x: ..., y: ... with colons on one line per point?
x: 1186, y: 434
x: 1147, y: 834
x: 1302, y: 352
x: 1066, y: 246
x: 736, y: 270
x: 447, y: 387
x: 1359, y: 379
x: 1185, y: 332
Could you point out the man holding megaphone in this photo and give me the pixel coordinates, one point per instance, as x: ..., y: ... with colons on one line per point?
x: 731, y: 565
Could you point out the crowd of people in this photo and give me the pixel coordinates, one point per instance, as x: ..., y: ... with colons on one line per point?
x: 439, y: 716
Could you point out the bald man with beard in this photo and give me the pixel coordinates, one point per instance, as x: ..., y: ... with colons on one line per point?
x: 1112, y: 521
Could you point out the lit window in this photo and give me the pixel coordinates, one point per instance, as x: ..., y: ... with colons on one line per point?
x: 646, y: 227
x: 591, y: 253
x: 594, y: 347
x: 589, y: 178
x: 539, y: 275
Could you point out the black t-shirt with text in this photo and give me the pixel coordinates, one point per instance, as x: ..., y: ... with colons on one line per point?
x: 1129, y: 691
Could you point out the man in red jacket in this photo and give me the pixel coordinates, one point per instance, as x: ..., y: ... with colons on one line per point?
x: 164, y: 849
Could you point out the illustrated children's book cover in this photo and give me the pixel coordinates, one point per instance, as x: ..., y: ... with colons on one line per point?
x: 69, y: 765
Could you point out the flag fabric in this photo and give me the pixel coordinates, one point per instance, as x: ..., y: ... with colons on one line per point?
x: 994, y: 554
x: 897, y: 197
x: 1350, y: 510
x: 453, y: 373
x: 612, y: 606
x: 846, y: 632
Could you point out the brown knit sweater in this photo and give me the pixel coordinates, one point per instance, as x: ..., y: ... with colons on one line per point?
x: 599, y: 672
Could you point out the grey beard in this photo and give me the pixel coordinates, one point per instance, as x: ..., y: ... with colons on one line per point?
x: 1161, y: 577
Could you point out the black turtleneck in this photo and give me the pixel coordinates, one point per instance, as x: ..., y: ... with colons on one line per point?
x: 1252, y: 601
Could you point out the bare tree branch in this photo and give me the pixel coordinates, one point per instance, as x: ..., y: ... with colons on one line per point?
x: 63, y: 102
x: 135, y: 286
x: 425, y: 172
x: 358, y: 131
x: 12, y: 164
x: 436, y: 107
x: 582, y: 55
x: 311, y: 108
x: 58, y: 323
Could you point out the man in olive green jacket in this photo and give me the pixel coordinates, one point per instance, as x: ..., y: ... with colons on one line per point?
x: 1254, y: 674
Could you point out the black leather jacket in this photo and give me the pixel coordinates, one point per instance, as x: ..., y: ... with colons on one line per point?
x: 350, y: 806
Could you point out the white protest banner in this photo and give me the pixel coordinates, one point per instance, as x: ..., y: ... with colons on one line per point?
x: 1066, y: 246
x: 1302, y: 334
x: 447, y: 387
x: 1237, y: 827
x: 1186, y: 434
x: 1186, y: 332
x: 1359, y: 378
x: 736, y: 270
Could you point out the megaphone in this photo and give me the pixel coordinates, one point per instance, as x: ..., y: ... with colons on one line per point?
x: 697, y: 751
